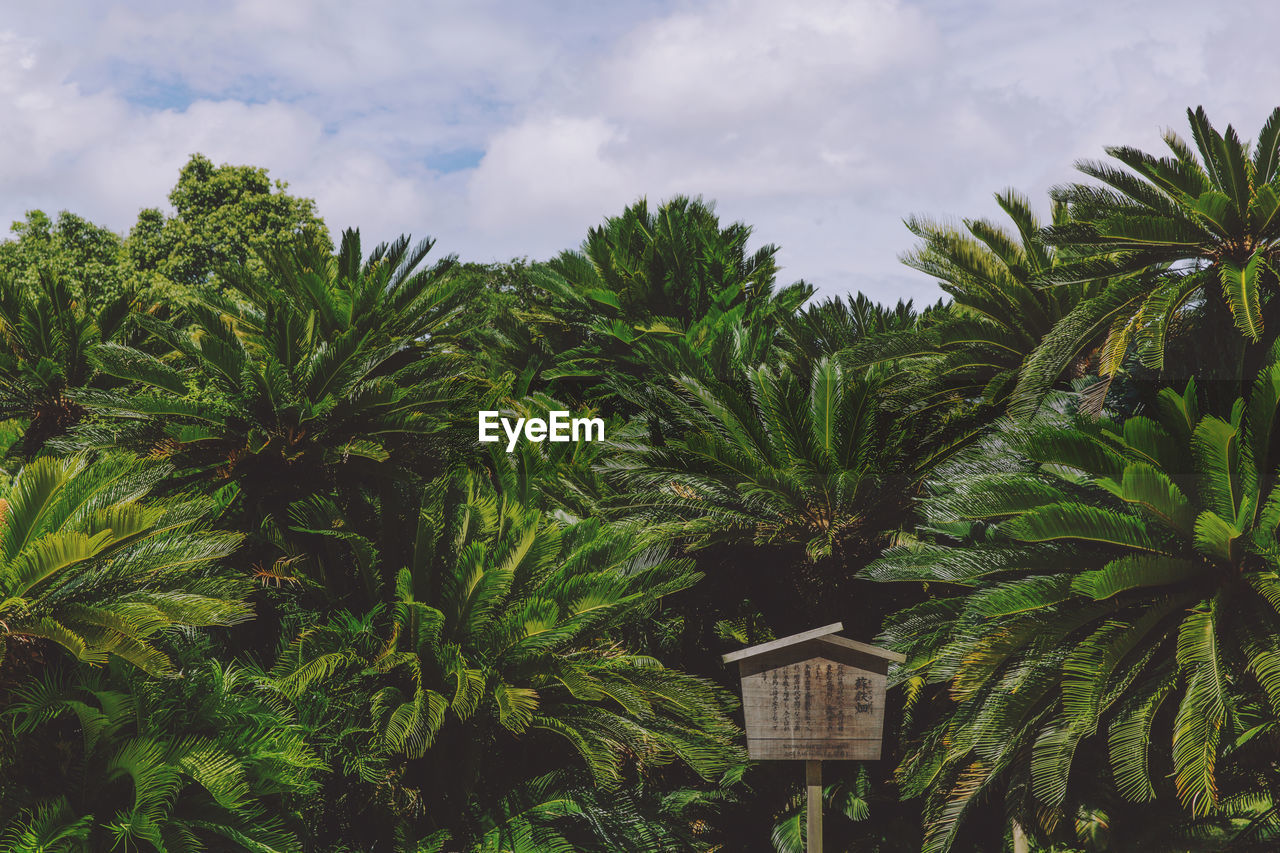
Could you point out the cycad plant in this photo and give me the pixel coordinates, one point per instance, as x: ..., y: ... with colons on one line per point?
x: 976, y: 348
x: 647, y: 279
x: 558, y: 813
x: 113, y: 762
x: 298, y: 382
x: 806, y: 475
x: 1118, y: 596
x: 801, y: 462
x: 673, y: 263
x: 1190, y: 239
x: 91, y: 563
x: 562, y: 479
x: 46, y: 336
x: 833, y: 325
x: 502, y: 658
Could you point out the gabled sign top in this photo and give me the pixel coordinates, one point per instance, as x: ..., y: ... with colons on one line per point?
x: 825, y: 634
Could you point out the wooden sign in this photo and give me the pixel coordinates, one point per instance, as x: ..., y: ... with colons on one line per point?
x: 814, y: 696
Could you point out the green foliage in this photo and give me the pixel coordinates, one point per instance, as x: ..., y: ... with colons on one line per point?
x: 834, y: 325
x: 88, y: 259
x: 209, y: 761
x: 300, y: 380
x: 998, y: 316
x: 91, y: 564
x: 224, y: 216
x: 806, y: 462
x: 1189, y: 240
x: 810, y: 470
x: 501, y: 651
x: 1120, y: 599
x: 675, y: 263
x: 565, y: 480
x: 849, y: 801
x: 663, y: 285
x: 460, y: 647
x: 46, y: 336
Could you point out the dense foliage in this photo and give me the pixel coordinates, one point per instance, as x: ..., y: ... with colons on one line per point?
x: 262, y: 589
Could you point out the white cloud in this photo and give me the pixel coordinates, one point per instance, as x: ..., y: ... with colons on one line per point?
x: 720, y: 66
x: 821, y: 123
x: 544, y: 171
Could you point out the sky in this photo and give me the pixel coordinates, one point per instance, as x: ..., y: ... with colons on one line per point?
x: 509, y: 129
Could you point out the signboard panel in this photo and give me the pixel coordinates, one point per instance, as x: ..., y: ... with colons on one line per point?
x: 814, y: 696
x: 815, y: 707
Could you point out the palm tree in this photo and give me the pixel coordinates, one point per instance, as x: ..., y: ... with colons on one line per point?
x: 503, y: 647
x: 1195, y: 231
x: 833, y: 325
x: 46, y: 336
x: 675, y: 263
x: 792, y: 461
x: 208, y: 761
x: 807, y: 475
x: 297, y: 383
x: 564, y: 479
x: 89, y: 563
x: 998, y: 315
x: 1117, y: 598
x: 653, y: 279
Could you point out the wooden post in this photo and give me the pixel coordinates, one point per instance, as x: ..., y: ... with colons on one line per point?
x: 813, y: 697
x: 1021, y: 844
x: 813, y: 802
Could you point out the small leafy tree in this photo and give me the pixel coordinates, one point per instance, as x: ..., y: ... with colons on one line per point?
x: 89, y: 259
x: 224, y: 216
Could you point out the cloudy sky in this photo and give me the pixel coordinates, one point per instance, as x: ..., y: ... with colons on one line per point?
x: 507, y: 129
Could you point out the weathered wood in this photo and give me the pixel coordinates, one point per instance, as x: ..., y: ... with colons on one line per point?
x: 826, y: 633
x: 783, y: 642
x: 772, y: 749
x: 866, y: 648
x: 1021, y: 844
x: 814, y: 696
x: 813, y: 805
x: 821, y: 648
x: 816, y: 701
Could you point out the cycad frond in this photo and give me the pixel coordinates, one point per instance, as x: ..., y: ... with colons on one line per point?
x: 88, y: 562
x: 1091, y: 593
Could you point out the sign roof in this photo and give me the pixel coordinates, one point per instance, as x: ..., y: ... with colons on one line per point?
x: 825, y: 634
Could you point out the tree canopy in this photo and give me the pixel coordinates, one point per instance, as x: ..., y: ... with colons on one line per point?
x: 262, y: 588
